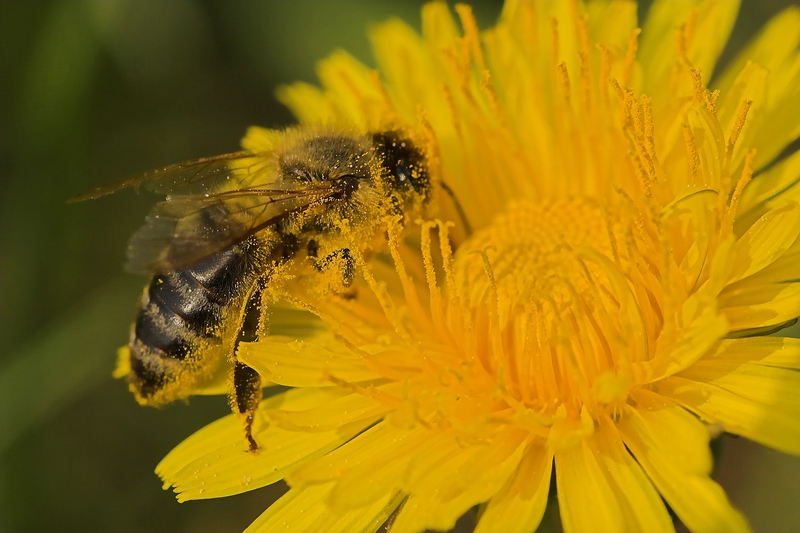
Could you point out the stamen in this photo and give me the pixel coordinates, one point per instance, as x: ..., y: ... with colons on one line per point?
x: 682, y: 43
x: 649, y: 129
x: 691, y: 152
x: 498, y: 365
x: 381, y: 294
x: 630, y: 56
x: 409, y: 290
x: 486, y: 85
x: 626, y: 101
x: 564, y: 81
x: 454, y: 113
x: 554, y: 53
x: 747, y: 174
x: 471, y: 34
x: 738, y: 125
x: 447, y: 257
x: 582, y: 30
x: 430, y: 275
x: 697, y: 84
x: 711, y: 101
x: 430, y: 272
x: 586, y: 81
x: 605, y: 70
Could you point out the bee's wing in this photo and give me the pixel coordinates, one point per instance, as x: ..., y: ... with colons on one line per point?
x: 183, y: 230
x: 210, y: 174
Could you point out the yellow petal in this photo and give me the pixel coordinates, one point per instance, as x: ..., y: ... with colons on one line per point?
x: 780, y: 352
x: 374, y: 449
x: 769, y: 385
x: 777, y: 126
x: 330, y: 415
x: 466, y: 476
x: 355, y: 95
x: 303, y: 510
x: 520, y: 505
x: 629, y: 497
x: 672, y: 447
x: 772, y: 61
x: 304, y: 363
x: 438, y: 27
x: 611, y: 22
x: 775, y: 44
x: 307, y: 102
x: 703, y: 330
x: 411, y: 79
x: 708, y: 25
x: 771, y: 189
x: 214, y: 461
x: 755, y: 420
x: 765, y: 241
x: 754, y: 307
x: 586, y: 499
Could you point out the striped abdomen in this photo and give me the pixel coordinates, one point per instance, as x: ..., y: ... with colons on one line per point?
x: 177, y: 336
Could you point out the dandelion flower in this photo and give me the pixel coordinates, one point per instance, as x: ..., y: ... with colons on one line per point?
x: 602, y: 311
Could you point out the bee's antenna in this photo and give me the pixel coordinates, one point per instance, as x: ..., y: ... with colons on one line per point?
x: 459, y: 209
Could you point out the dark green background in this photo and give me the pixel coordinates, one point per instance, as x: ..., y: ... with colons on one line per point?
x: 95, y: 90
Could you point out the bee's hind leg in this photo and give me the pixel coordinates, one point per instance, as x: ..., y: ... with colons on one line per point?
x: 247, y: 395
x: 246, y: 391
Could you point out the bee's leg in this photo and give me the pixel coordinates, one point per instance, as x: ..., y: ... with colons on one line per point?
x: 348, y: 265
x: 246, y: 392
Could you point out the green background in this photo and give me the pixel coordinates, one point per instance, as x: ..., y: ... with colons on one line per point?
x: 95, y: 90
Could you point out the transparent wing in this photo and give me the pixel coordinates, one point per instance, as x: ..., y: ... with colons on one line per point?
x: 211, y: 174
x: 183, y: 230
x: 211, y: 204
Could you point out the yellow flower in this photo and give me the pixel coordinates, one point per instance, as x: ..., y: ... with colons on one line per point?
x: 630, y: 246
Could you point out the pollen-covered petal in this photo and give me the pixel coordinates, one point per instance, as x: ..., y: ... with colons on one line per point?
x: 302, y: 510
x: 214, y: 461
x: 520, y: 505
x: 304, y: 363
x: 756, y: 420
x: 443, y: 490
x: 672, y: 448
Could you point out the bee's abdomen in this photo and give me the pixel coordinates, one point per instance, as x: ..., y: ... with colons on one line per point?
x: 181, y: 314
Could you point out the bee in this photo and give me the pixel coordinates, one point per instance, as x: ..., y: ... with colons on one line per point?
x: 229, y: 222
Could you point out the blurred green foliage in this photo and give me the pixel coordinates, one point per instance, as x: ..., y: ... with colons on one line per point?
x: 94, y: 90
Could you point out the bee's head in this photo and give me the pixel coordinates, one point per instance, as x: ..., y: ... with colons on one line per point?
x: 327, y: 157
x: 403, y: 164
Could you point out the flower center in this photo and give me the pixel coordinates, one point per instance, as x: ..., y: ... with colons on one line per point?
x: 547, y: 326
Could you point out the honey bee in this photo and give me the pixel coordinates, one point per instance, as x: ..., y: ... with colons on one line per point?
x: 228, y: 222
